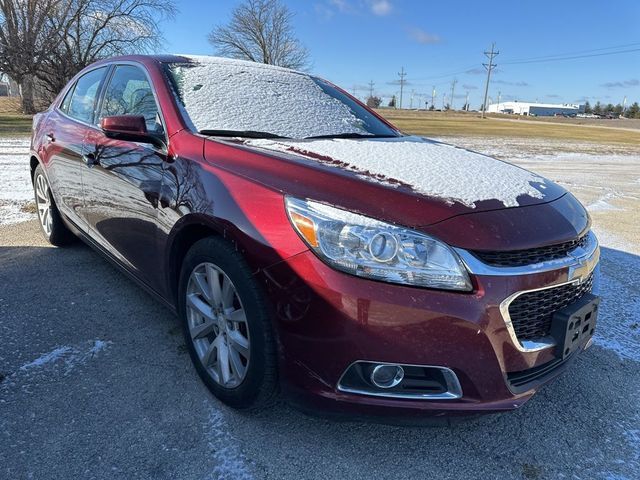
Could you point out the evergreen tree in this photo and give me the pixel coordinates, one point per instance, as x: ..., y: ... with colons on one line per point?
x: 617, y: 109
x: 633, y: 111
x: 392, y: 102
x: 587, y: 107
x: 597, y: 108
x: 374, y: 102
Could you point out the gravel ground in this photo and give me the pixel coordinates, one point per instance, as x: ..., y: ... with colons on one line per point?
x: 95, y: 382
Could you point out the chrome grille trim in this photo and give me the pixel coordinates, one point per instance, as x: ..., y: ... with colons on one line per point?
x: 542, y: 343
x: 576, y: 257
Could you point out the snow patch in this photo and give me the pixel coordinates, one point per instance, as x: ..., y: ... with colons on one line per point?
x: 601, y: 206
x: 431, y: 168
x: 15, y: 184
x: 225, y: 94
x: 68, y: 357
x: 618, y: 328
x: 229, y: 459
x: 50, y: 357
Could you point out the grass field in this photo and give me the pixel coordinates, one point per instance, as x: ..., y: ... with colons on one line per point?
x: 442, y: 124
x: 12, y: 125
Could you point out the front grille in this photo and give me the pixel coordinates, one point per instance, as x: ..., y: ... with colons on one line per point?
x: 531, y: 312
x: 521, y: 258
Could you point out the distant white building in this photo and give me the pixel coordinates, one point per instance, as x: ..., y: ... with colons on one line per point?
x: 536, y: 109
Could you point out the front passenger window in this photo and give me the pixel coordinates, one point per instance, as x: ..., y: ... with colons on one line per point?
x: 129, y: 93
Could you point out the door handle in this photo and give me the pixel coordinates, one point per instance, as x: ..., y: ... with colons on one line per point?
x: 90, y: 159
x: 50, y: 137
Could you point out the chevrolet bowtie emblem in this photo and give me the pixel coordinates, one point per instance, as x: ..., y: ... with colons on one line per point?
x: 583, y: 266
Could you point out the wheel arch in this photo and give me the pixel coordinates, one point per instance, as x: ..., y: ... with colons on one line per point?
x: 189, y: 230
x: 34, y: 161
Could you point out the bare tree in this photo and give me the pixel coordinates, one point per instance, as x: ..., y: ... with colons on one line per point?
x: 46, y: 42
x: 25, y: 41
x: 96, y: 29
x: 261, y: 31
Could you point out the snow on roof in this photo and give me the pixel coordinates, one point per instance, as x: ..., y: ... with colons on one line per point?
x: 534, y: 104
x: 226, y: 94
x: 431, y: 168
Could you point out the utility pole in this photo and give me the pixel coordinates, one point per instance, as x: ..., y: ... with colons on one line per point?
x: 402, y: 74
x: 499, y: 95
x: 453, y: 86
x: 489, y: 66
x: 444, y: 97
x: 413, y: 92
x: 371, y: 84
x: 355, y: 91
x: 433, y: 97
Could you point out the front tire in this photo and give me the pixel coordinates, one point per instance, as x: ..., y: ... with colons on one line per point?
x: 226, y: 325
x: 51, y: 223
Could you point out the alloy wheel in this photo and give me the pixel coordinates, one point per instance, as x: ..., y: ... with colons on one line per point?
x: 43, y: 202
x: 218, y: 325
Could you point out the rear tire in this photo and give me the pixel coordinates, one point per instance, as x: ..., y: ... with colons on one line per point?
x: 51, y: 223
x: 227, y: 326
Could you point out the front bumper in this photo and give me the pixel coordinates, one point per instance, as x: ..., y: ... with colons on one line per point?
x: 327, y: 320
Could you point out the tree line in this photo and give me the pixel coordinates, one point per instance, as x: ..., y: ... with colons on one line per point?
x: 44, y: 43
x: 632, y: 111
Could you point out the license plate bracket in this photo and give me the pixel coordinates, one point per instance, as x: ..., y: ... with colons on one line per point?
x: 573, y: 325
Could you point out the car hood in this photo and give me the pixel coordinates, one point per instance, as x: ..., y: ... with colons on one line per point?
x: 407, y: 180
x: 433, y: 169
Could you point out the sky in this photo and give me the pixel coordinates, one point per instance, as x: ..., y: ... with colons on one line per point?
x: 354, y: 42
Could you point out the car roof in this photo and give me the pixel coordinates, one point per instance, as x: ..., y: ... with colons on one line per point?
x: 188, y: 58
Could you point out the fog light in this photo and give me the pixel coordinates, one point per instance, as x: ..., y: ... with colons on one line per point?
x: 387, y: 376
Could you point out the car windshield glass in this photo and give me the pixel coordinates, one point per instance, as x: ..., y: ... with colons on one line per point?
x: 220, y: 95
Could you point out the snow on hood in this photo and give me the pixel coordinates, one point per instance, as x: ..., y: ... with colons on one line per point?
x: 430, y: 168
x: 226, y: 94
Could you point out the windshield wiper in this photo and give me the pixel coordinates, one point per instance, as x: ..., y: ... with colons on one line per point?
x: 240, y: 133
x: 351, y: 135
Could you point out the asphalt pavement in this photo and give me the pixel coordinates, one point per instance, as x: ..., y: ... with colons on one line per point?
x: 96, y: 383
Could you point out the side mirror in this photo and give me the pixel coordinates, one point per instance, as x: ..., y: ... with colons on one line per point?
x: 132, y: 128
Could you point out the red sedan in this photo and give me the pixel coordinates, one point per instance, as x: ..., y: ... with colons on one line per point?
x: 307, y: 245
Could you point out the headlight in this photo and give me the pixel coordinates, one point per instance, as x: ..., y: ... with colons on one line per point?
x: 370, y: 248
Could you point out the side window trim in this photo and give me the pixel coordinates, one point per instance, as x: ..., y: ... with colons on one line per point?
x: 102, y: 92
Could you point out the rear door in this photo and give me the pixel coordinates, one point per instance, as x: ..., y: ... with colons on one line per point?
x: 66, y: 129
x: 121, y: 188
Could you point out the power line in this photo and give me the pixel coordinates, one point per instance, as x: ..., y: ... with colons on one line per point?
x: 401, y: 74
x: 371, y: 84
x: 557, y: 59
x: 490, y: 66
x: 444, y: 75
x: 578, y: 52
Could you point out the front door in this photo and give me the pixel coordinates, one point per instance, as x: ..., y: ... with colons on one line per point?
x: 122, y: 186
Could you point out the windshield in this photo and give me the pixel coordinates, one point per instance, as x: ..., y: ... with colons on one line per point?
x: 220, y: 95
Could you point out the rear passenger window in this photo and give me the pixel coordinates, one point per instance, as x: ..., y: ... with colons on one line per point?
x: 129, y: 93
x: 83, y: 100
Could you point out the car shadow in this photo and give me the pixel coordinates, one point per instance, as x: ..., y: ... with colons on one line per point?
x: 583, y: 425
